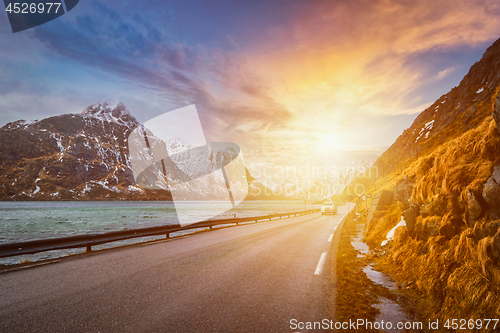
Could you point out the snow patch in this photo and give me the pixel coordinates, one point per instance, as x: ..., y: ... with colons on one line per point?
x: 61, y: 148
x: 428, y: 125
x: 176, y: 145
x: 86, y: 188
x: 111, y: 112
x: 104, y: 184
x: 425, y: 131
x: 479, y: 90
x: 390, y: 234
x: 134, y: 188
x: 58, y: 141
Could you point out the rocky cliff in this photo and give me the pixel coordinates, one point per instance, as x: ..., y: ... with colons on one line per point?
x: 85, y: 156
x: 463, y: 108
x: 72, y: 156
x: 444, y: 172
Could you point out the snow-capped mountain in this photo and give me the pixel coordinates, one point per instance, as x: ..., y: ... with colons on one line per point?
x: 85, y: 156
x: 110, y: 112
x: 71, y: 156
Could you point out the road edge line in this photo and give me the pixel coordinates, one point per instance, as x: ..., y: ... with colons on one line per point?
x: 332, y: 265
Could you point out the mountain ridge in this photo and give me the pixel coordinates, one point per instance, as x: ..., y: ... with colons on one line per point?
x: 441, y: 177
x: 465, y: 106
x: 84, y: 156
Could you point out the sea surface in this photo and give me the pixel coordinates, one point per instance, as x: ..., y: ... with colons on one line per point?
x: 23, y: 221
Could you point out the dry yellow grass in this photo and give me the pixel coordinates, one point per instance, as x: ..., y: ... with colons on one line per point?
x: 460, y: 164
x: 452, y: 269
x: 382, y: 223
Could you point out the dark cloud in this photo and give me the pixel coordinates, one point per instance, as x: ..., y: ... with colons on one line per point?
x: 135, y: 50
x: 129, y: 47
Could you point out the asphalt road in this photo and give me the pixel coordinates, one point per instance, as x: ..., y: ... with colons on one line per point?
x: 251, y: 278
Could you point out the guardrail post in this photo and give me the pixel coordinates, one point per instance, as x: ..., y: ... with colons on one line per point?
x: 167, y: 235
x: 88, y: 248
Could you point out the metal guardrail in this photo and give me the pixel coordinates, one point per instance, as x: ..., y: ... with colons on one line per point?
x: 89, y: 240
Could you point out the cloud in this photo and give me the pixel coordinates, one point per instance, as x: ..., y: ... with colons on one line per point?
x: 125, y: 46
x: 282, y: 82
x: 444, y: 73
x: 367, y: 44
x: 131, y: 48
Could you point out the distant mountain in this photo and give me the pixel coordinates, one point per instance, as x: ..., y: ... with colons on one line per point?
x: 71, y: 156
x: 85, y: 156
x: 324, y: 187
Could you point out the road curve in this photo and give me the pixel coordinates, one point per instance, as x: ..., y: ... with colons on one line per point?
x: 251, y: 278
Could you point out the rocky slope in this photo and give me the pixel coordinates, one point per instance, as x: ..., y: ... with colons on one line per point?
x: 443, y: 176
x: 71, y: 156
x: 85, y: 156
x: 461, y: 109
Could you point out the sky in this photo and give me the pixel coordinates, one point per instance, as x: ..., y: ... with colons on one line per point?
x: 295, y: 84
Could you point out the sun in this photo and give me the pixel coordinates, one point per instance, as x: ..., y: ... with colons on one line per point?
x: 330, y: 142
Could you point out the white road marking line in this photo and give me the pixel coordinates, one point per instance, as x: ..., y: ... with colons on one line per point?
x: 321, y: 263
x: 330, y: 238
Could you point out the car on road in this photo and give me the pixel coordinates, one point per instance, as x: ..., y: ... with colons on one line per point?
x: 328, y: 208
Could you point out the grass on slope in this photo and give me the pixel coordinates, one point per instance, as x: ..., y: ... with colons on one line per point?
x: 453, y: 265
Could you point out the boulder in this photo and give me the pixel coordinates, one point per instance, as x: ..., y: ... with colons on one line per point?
x: 491, y: 194
x: 436, y: 207
x: 432, y: 227
x: 427, y: 227
x: 426, y: 209
x: 486, y: 230
x: 415, y: 207
x: 420, y: 231
x: 411, y: 221
x: 402, y: 191
x: 451, y: 226
x: 496, y: 111
x: 380, y: 201
x: 473, y: 210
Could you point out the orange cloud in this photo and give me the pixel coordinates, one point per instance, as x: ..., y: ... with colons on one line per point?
x: 339, y: 65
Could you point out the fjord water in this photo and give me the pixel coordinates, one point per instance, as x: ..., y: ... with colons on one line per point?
x: 23, y: 221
